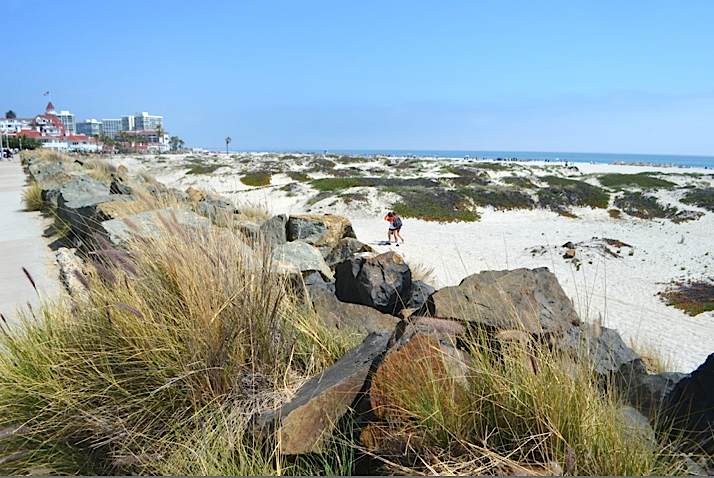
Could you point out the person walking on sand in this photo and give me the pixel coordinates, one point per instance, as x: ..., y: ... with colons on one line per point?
x: 395, y: 226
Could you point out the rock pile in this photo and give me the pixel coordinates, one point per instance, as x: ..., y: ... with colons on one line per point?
x: 356, y: 289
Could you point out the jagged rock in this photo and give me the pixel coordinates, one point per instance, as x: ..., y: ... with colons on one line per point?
x: 117, y: 187
x: 689, y: 410
x: 78, y: 205
x: 414, y: 363
x: 617, y: 363
x: 315, y: 281
x: 70, y: 268
x: 274, y: 231
x: 520, y: 298
x: 310, y: 417
x: 213, y: 206
x: 162, y: 193
x: 346, y: 248
x: 323, y: 232
x: 303, y: 255
x: 250, y: 228
x: 353, y: 317
x: 380, y: 281
x: 151, y: 223
x: 569, y: 253
x: 419, y: 293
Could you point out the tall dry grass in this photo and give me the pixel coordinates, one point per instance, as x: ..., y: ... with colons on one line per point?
x: 173, y: 332
x: 518, y: 407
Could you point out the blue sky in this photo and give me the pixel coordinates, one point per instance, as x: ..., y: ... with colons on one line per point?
x: 605, y: 76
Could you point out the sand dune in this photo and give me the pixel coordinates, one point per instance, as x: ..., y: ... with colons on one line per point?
x: 618, y: 290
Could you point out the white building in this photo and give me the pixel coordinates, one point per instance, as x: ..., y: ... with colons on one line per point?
x: 14, y: 125
x: 147, y: 122
x: 127, y: 123
x: 111, y: 127
x: 89, y: 127
x: 67, y: 120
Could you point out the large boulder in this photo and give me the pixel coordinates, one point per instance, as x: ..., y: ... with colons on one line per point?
x: 346, y: 248
x: 309, y: 419
x: 78, y: 206
x: 380, y: 281
x: 343, y: 316
x: 689, y: 410
x: 151, y: 224
x: 303, y: 255
x: 616, y: 363
x: 273, y: 231
x: 323, y: 232
x: 522, y: 298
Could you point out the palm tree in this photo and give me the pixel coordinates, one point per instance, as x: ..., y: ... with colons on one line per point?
x: 228, y: 140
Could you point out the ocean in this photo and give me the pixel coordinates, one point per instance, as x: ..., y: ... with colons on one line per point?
x: 605, y: 158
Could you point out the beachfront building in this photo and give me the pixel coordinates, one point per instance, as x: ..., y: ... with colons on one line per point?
x: 147, y: 140
x: 147, y: 122
x: 127, y: 123
x: 63, y: 142
x: 111, y: 127
x: 67, y: 120
x: 89, y: 127
x: 14, y: 125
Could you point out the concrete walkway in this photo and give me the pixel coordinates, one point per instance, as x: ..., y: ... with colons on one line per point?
x: 22, y: 245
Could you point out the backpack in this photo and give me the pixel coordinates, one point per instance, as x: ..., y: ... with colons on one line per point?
x: 397, y: 222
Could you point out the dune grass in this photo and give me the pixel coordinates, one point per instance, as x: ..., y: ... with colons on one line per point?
x: 171, y: 334
x: 32, y: 197
x: 517, y: 408
x: 640, y: 180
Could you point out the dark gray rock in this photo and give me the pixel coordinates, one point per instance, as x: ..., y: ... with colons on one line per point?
x: 274, y: 231
x: 78, y: 206
x: 117, y: 187
x: 346, y: 248
x: 689, y: 410
x: 517, y: 299
x: 315, y: 281
x: 344, y: 316
x: 420, y: 292
x: 308, y: 420
x: 380, y: 281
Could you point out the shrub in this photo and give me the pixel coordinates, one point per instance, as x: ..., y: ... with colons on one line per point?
x: 203, y: 168
x: 645, y: 207
x: 298, y: 176
x: 693, y: 297
x: 259, y: 178
x: 703, y: 198
x: 500, y: 198
x: 562, y: 193
x: 434, y: 204
x: 641, y: 180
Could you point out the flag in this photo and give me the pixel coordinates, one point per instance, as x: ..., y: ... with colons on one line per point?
x: 47, y: 93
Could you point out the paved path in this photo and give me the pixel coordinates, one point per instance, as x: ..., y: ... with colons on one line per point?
x: 22, y: 245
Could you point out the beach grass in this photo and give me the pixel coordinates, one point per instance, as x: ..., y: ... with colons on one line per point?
x: 640, y: 180
x: 167, y: 334
x: 32, y: 197
x: 518, y: 407
x: 258, y: 178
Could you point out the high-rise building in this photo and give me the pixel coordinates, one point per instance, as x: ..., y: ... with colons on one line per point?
x: 111, y: 127
x: 67, y: 120
x: 127, y: 123
x: 89, y: 127
x: 147, y: 122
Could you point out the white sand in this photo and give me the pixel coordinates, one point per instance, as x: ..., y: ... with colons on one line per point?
x: 619, y: 291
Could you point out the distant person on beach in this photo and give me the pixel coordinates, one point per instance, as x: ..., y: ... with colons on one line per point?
x: 395, y: 226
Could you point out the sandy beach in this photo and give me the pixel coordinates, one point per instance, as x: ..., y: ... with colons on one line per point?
x: 614, y: 284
